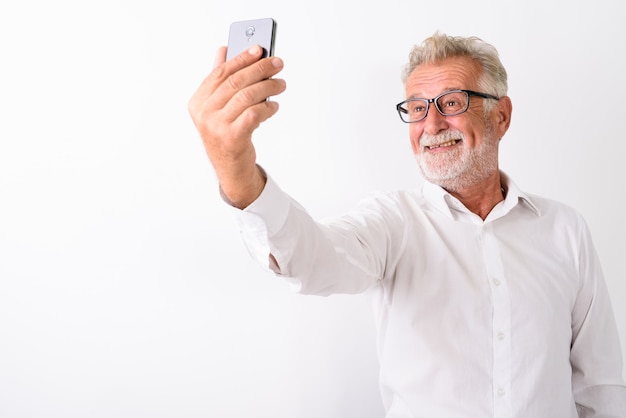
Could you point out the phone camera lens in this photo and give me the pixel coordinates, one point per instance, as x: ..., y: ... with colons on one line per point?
x: 250, y: 31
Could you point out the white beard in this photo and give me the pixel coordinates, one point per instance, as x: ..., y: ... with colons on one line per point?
x: 461, y: 167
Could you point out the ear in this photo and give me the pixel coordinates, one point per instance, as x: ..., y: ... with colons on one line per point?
x: 502, y: 115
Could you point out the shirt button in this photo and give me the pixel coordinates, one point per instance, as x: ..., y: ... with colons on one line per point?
x: 501, y: 392
x: 501, y: 336
x: 497, y: 282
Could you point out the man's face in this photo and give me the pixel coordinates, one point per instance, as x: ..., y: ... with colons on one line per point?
x: 455, y: 151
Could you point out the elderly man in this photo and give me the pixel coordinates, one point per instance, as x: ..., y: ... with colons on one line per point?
x: 490, y: 302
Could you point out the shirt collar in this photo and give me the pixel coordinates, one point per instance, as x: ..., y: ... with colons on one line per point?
x: 447, y: 204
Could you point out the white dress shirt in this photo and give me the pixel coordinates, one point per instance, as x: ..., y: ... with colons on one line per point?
x: 506, y: 317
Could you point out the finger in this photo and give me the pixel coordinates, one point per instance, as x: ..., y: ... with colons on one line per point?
x: 220, y: 57
x: 223, y: 69
x: 246, y: 57
x: 253, y: 116
x: 251, y: 85
x: 252, y: 95
x: 248, y: 73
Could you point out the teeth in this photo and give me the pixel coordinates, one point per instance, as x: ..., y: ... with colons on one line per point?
x: 445, y: 144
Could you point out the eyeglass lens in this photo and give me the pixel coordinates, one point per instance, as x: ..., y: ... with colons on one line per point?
x: 448, y: 104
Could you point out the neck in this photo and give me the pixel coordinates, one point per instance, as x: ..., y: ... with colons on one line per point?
x: 482, y: 197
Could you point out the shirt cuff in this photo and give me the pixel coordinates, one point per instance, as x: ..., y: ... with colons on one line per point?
x: 271, y: 207
x: 261, y: 220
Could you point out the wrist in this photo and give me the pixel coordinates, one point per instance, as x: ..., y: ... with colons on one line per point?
x: 241, y: 190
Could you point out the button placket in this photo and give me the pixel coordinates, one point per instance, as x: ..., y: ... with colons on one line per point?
x: 501, y: 320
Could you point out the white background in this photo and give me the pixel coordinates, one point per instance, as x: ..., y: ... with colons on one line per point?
x: 125, y: 290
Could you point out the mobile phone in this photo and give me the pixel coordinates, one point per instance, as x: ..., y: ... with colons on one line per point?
x: 246, y: 33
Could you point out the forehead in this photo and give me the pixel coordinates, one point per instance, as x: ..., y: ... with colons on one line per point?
x: 432, y: 79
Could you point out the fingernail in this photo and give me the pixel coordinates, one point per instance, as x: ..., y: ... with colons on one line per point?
x: 277, y: 62
x: 253, y: 50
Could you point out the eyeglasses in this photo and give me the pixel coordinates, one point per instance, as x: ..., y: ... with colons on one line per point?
x: 450, y: 103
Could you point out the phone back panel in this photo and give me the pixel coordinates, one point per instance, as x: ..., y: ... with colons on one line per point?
x: 246, y: 33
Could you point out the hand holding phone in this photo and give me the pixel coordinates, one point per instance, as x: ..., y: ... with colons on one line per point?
x: 226, y: 118
x: 244, y: 34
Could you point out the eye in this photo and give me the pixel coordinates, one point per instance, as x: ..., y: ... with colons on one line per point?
x: 417, y: 108
x: 451, y: 103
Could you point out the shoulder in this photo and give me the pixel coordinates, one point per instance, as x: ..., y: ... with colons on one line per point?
x: 396, y: 201
x: 561, y: 219
x: 554, y: 208
x: 390, y: 208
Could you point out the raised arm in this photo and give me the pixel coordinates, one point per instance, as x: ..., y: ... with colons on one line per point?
x: 226, y: 109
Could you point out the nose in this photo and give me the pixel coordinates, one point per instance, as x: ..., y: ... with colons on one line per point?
x: 434, y: 122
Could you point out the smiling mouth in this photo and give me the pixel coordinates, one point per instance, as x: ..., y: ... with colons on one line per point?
x: 443, y: 145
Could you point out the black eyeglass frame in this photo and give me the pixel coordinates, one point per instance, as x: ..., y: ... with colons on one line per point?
x: 469, y: 93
